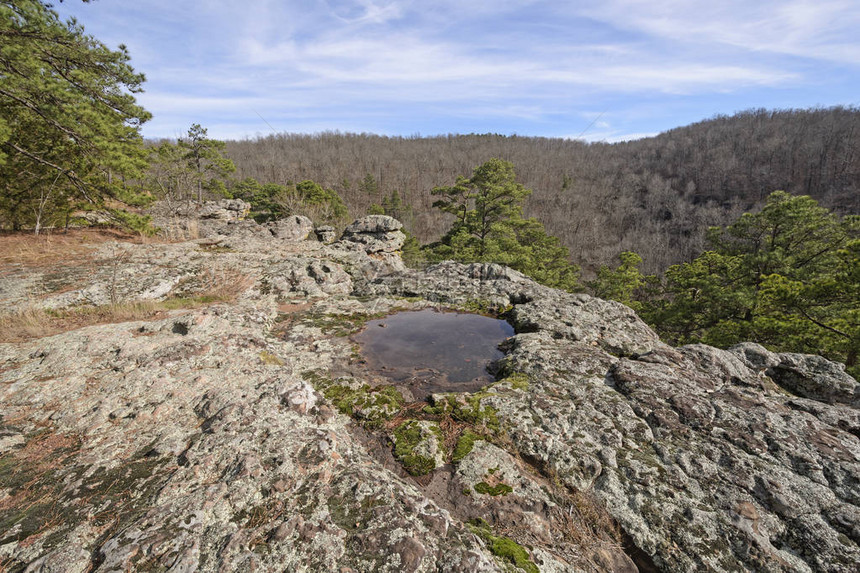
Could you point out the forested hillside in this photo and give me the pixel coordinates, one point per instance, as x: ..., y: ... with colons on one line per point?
x: 655, y: 196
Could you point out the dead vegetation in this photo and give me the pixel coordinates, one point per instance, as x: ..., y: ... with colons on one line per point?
x: 210, y: 286
x: 73, y: 247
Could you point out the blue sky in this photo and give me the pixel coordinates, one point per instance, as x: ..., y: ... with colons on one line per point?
x: 600, y: 70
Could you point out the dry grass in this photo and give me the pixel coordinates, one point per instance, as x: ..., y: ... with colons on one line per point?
x: 583, y: 520
x: 73, y: 247
x: 216, y: 286
x: 224, y: 285
x: 34, y: 322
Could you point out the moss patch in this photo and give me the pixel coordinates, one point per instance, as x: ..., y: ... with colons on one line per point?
x: 486, y: 307
x: 506, y: 549
x: 465, y: 443
x: 511, y: 551
x: 341, y: 325
x: 467, y: 408
x: 498, y: 489
x: 370, y: 405
x: 518, y: 380
x: 270, y: 359
x: 407, y: 437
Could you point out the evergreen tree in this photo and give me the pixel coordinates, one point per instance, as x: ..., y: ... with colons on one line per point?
x: 271, y: 201
x: 787, y: 277
x: 369, y: 186
x: 490, y: 226
x: 69, y: 123
x: 206, y: 161
x: 622, y: 283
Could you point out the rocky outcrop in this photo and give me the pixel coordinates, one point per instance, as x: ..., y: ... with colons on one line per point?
x: 326, y: 234
x: 803, y: 374
x: 224, y: 210
x: 216, y: 434
x: 295, y: 228
x: 377, y: 233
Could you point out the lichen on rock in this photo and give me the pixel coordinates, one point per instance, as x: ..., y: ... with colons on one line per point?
x: 231, y: 426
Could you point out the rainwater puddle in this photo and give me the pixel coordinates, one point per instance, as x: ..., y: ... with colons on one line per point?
x: 429, y: 351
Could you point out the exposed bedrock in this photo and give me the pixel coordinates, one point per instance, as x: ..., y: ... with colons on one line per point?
x: 207, y: 437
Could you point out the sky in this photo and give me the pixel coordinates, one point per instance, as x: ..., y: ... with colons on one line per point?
x: 603, y: 70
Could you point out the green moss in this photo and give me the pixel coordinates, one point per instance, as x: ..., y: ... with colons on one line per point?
x: 482, y: 417
x: 518, y: 380
x: 465, y: 443
x: 503, y: 547
x: 498, y: 489
x: 407, y: 436
x: 317, y: 379
x: 486, y: 307
x: 410, y: 299
x: 341, y: 325
x: 467, y: 408
x: 513, y: 552
x: 370, y: 405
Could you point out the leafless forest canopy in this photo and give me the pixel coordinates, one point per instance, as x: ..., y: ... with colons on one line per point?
x: 654, y: 196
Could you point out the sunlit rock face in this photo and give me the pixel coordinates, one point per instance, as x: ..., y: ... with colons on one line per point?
x: 239, y: 428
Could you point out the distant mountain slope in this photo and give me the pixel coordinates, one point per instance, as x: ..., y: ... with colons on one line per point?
x: 655, y: 196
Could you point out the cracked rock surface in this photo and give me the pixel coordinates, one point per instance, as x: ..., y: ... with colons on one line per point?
x: 201, y: 439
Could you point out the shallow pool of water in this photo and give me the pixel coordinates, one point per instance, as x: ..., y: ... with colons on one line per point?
x: 429, y: 351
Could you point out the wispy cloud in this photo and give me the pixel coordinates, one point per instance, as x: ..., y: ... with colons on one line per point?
x: 503, y: 65
x: 815, y: 29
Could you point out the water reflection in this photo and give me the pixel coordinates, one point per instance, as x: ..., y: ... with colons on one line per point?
x: 431, y: 351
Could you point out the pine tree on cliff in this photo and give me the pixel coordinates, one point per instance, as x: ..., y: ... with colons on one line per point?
x: 787, y: 277
x: 489, y: 227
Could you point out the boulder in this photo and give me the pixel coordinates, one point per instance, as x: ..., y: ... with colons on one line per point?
x: 224, y: 210
x: 376, y: 234
x: 326, y: 234
x: 293, y: 228
x: 815, y: 377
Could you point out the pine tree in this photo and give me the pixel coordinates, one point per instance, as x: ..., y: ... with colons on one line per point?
x: 69, y: 123
x: 205, y: 159
x: 787, y: 277
x: 490, y: 227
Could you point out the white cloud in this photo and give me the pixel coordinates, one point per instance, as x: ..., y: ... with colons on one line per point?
x: 818, y: 29
x: 352, y: 64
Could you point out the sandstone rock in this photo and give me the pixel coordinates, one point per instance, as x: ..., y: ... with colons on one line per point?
x: 326, y: 234
x: 372, y: 224
x: 294, y: 228
x: 815, y: 377
x: 224, y: 210
x: 307, y: 276
x: 204, y: 438
x: 805, y: 375
x: 376, y: 234
x: 755, y: 355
